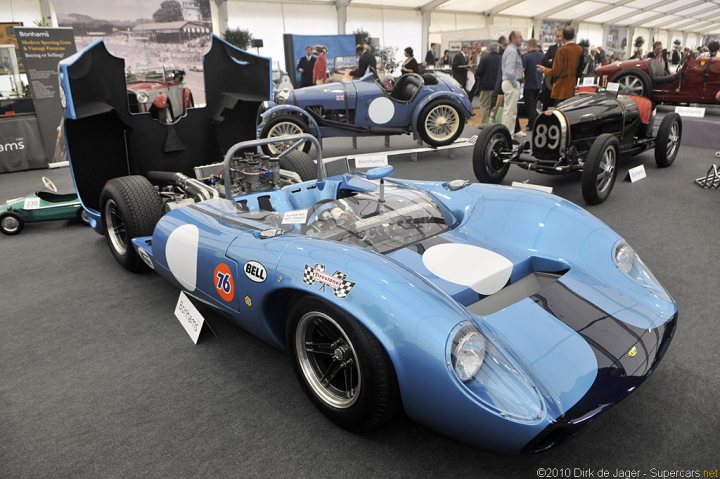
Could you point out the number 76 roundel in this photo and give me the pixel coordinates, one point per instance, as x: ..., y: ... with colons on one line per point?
x: 224, y: 283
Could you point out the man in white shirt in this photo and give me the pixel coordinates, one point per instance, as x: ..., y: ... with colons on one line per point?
x: 512, y: 76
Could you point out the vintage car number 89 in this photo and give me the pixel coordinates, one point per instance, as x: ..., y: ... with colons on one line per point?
x: 546, y: 136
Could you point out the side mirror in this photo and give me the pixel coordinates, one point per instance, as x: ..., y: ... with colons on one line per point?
x: 380, y: 172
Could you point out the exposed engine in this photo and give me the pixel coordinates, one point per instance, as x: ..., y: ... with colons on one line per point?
x: 249, y: 173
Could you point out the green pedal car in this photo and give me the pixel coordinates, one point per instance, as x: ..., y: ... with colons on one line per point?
x: 46, y: 205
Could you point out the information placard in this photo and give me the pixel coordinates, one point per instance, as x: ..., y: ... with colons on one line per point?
x: 189, y: 317
x: 41, y: 49
x: 637, y: 173
x: 371, y: 161
x: 690, y: 111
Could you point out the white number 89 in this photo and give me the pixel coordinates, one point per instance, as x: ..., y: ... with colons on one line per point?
x: 546, y: 136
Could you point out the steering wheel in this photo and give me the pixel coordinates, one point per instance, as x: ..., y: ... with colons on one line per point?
x: 47, y: 182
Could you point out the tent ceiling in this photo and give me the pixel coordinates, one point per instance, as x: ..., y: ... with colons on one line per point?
x: 658, y: 14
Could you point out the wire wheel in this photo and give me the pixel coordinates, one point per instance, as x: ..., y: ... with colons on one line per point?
x: 115, y: 227
x: 282, y: 128
x: 673, y: 140
x: 328, y: 360
x: 442, y: 122
x: 10, y: 225
x: 607, y: 170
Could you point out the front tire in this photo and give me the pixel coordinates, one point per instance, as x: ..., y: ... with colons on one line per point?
x: 600, y: 169
x: 440, y: 123
x: 342, y: 368
x: 283, y: 124
x: 667, y: 141
x: 11, y: 224
x: 131, y: 207
x: 487, y: 163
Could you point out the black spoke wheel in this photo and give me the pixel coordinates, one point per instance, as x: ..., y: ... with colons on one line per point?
x: 343, y: 369
x: 667, y: 141
x: 487, y: 159
x: 11, y: 224
x: 600, y: 169
x: 328, y: 359
x: 131, y: 207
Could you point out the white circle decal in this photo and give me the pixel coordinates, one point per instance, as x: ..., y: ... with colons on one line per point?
x: 485, y: 271
x: 381, y: 110
x: 181, y: 252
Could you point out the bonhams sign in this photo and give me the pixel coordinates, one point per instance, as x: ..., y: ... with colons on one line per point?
x: 41, y: 50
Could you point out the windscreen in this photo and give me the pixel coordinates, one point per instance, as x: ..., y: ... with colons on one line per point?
x: 405, y: 216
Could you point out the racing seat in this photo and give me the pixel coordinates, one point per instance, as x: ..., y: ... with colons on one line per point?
x: 407, y: 87
x: 429, y: 79
x: 644, y: 106
x: 658, y: 75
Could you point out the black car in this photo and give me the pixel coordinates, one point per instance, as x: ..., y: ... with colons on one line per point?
x: 587, y: 133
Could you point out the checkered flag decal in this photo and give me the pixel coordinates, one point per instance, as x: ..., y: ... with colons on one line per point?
x: 337, y: 281
x: 309, y: 273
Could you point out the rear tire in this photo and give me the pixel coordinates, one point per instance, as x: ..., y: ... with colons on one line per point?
x: 667, y: 140
x: 634, y: 82
x: 487, y: 165
x: 440, y: 123
x: 363, y: 394
x: 11, y: 224
x: 600, y: 169
x: 300, y: 163
x: 283, y: 124
x: 131, y: 207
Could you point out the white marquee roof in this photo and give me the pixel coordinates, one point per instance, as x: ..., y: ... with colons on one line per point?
x: 700, y: 16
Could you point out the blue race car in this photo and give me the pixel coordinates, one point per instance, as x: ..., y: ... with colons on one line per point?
x: 433, y: 107
x: 506, y: 318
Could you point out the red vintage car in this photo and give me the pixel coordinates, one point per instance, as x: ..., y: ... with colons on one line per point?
x: 696, y: 79
x: 160, y: 92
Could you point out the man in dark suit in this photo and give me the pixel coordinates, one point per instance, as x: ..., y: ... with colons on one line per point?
x: 486, y: 79
x: 460, y: 67
x: 305, y: 67
x: 659, y: 56
x: 366, y: 61
x: 547, y: 61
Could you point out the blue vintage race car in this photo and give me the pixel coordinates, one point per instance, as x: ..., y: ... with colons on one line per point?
x: 432, y: 106
x: 506, y: 318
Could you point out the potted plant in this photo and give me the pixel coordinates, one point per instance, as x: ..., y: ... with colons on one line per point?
x: 238, y: 37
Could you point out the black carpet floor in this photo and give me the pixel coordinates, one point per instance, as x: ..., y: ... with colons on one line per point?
x: 98, y: 378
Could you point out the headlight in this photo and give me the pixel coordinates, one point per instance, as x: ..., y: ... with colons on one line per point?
x: 468, y: 354
x: 624, y: 257
x: 627, y: 261
x: 491, y: 376
x: 142, y: 97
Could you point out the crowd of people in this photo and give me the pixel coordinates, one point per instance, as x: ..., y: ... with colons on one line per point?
x: 502, y: 73
x: 678, y: 53
x: 498, y: 73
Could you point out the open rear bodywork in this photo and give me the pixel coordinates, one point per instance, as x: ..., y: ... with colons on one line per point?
x: 105, y: 140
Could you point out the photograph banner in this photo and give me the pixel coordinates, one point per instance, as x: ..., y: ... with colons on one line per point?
x: 337, y: 46
x: 147, y: 34
x: 616, y: 44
